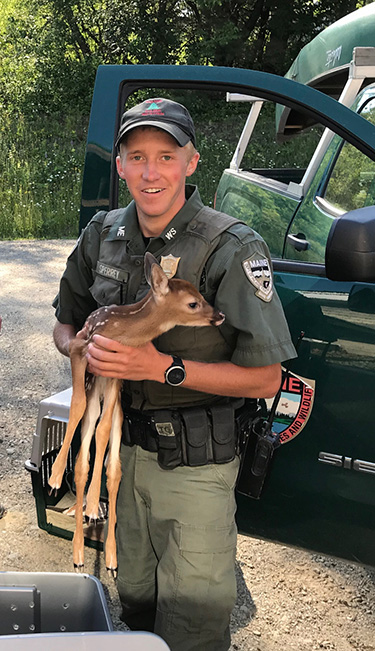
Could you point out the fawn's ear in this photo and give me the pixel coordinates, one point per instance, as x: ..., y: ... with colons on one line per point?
x: 149, y: 260
x: 155, y: 276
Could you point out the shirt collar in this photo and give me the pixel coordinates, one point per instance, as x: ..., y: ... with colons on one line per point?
x: 180, y: 221
x: 126, y: 228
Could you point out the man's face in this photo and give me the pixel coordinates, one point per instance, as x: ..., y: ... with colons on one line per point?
x: 155, y: 168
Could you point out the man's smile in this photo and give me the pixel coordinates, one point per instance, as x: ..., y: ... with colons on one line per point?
x: 152, y: 190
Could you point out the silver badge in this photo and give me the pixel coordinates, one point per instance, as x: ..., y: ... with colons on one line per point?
x: 258, y: 271
x: 165, y: 429
x: 121, y: 231
x: 169, y: 264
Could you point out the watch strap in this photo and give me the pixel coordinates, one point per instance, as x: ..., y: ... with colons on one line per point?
x: 177, y: 361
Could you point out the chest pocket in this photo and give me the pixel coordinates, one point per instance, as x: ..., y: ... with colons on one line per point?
x: 110, y: 285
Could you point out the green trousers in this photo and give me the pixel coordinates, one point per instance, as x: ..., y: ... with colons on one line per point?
x: 176, y: 539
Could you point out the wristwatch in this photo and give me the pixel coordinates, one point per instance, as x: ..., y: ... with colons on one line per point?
x: 175, y: 373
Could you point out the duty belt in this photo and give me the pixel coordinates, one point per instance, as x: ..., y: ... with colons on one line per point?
x: 190, y: 436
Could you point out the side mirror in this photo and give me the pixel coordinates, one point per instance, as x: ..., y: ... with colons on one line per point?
x: 350, y: 250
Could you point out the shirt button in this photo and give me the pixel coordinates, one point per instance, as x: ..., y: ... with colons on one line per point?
x: 138, y: 263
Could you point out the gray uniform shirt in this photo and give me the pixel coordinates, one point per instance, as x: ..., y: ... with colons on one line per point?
x: 236, y: 278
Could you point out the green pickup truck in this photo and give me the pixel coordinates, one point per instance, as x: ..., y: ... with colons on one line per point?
x: 319, y: 221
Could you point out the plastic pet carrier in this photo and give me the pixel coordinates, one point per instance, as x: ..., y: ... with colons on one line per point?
x: 40, y: 611
x: 51, y: 602
x: 56, y: 512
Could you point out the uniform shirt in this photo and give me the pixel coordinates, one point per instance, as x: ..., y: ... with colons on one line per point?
x: 236, y: 278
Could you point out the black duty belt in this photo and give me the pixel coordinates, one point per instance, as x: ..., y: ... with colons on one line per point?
x: 190, y: 436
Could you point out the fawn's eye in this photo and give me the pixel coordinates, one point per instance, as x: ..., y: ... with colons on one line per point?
x: 193, y: 305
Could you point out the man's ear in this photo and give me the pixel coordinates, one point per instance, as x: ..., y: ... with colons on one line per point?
x: 155, y: 276
x: 119, y: 165
x: 192, y: 165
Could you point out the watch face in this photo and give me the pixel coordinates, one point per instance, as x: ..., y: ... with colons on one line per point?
x: 175, y: 375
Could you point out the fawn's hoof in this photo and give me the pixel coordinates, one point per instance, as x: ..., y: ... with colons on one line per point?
x: 54, y: 483
x: 96, y: 513
x: 112, y: 572
x: 91, y: 519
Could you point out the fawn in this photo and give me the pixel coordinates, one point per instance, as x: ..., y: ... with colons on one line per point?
x: 167, y: 304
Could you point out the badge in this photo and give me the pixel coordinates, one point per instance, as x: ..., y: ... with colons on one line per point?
x: 258, y: 271
x: 165, y: 429
x: 121, y: 231
x: 169, y: 264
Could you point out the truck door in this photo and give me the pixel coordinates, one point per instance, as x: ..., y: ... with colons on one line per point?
x: 338, y: 352
x: 321, y: 490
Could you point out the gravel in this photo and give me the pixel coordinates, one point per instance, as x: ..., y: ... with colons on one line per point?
x: 287, y: 598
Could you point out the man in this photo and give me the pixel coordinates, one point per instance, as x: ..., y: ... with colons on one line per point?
x: 176, y: 530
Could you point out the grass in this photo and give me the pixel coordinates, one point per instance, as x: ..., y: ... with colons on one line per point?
x: 40, y: 177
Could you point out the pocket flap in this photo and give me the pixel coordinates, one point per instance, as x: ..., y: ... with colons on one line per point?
x: 222, y: 423
x: 196, y: 425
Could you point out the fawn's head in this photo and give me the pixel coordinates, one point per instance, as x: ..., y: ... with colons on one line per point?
x: 179, y: 298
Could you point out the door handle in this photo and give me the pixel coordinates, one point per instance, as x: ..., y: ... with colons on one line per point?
x: 298, y: 242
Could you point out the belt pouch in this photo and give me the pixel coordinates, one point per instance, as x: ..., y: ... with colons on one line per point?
x: 223, y: 433
x: 196, y: 436
x: 126, y: 436
x: 168, y: 428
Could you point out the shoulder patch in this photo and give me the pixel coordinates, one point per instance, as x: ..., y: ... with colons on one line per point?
x: 258, y: 271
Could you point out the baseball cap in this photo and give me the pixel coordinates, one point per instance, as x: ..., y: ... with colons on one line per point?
x: 164, y: 114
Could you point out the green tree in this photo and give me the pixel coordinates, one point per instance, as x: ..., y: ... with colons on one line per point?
x: 51, y: 48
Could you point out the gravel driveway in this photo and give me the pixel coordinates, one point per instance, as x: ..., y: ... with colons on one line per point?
x: 288, y: 599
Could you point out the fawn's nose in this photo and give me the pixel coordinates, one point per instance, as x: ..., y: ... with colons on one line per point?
x: 218, y: 318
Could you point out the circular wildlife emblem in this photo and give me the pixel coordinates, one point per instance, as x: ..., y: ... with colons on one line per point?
x: 294, y: 407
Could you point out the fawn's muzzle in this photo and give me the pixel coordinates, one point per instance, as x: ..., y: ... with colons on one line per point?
x: 218, y: 318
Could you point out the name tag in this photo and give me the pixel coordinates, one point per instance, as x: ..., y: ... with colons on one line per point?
x: 112, y: 272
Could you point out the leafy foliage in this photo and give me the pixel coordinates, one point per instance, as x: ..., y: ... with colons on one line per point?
x: 50, y: 53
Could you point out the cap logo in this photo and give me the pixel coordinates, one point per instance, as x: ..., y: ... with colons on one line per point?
x: 153, y: 109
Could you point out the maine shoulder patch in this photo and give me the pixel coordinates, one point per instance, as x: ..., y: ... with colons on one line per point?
x: 258, y: 271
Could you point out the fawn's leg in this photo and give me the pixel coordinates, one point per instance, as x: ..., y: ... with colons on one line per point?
x: 113, y: 482
x: 101, y: 441
x: 82, y: 467
x: 77, y: 409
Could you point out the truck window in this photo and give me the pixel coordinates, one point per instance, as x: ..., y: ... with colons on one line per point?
x: 344, y: 181
x: 262, y: 186
x: 351, y: 184
x: 278, y: 156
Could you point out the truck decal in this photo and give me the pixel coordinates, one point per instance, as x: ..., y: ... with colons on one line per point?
x: 333, y: 56
x: 294, y: 407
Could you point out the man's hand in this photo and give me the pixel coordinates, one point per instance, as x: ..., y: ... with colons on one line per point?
x: 109, y: 358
